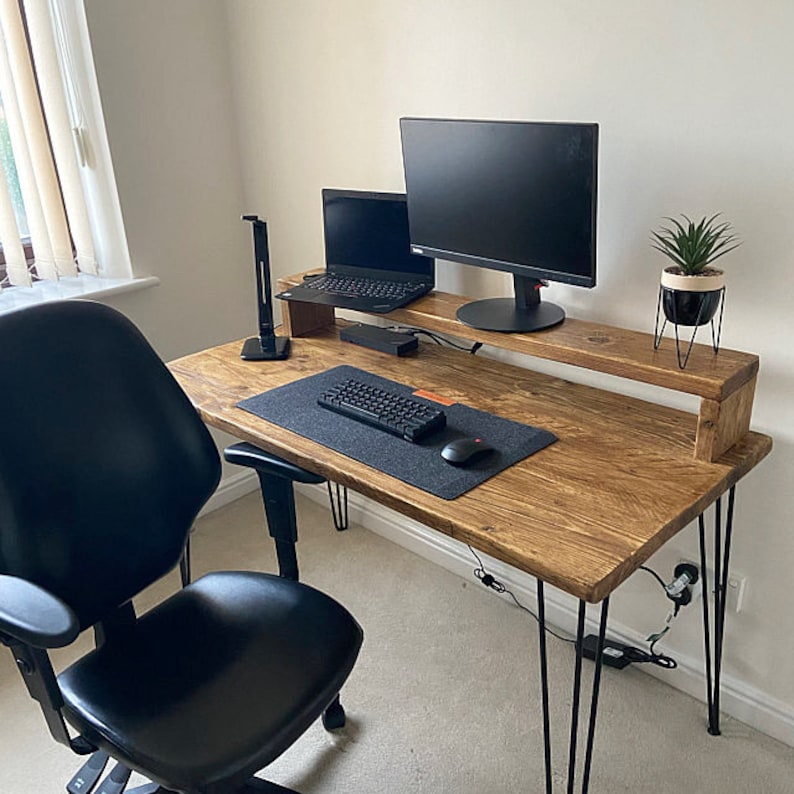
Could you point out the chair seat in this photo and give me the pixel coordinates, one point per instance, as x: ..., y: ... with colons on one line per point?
x: 216, y: 682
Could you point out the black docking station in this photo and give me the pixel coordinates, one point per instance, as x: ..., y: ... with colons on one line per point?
x: 379, y: 339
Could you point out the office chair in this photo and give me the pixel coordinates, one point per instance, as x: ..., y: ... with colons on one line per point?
x: 104, y: 464
x: 276, y: 478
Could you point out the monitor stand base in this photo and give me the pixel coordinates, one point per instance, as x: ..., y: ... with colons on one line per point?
x: 502, y: 314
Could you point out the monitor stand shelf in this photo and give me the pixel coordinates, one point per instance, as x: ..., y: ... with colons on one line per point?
x: 724, y: 381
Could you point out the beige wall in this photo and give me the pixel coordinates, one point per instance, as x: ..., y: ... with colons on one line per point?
x: 694, y: 105
x: 164, y: 81
x: 218, y: 108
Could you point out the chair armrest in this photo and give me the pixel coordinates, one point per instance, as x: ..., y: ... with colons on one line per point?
x: 245, y: 454
x: 31, y: 615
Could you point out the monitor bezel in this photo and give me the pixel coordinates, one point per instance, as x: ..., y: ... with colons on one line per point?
x: 524, y: 269
x: 331, y: 193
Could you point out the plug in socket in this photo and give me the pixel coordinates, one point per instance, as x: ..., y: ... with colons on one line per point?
x: 736, y: 587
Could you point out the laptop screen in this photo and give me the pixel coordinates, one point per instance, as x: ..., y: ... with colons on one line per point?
x: 370, y: 231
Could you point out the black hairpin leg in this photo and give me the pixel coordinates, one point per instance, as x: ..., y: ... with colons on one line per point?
x: 602, y: 628
x: 713, y: 650
x: 338, y: 498
x: 577, y: 686
x: 544, y: 685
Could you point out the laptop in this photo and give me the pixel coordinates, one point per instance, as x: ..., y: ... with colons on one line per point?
x: 368, y: 261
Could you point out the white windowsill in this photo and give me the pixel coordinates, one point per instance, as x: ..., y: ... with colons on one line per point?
x: 82, y: 286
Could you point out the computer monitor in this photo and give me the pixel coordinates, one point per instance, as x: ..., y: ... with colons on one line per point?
x: 515, y: 196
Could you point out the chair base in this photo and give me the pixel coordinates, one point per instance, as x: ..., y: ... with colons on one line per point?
x: 88, y: 776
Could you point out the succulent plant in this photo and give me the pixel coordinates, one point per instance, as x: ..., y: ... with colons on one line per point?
x: 694, y: 246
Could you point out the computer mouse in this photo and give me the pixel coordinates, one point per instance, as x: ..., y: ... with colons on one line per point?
x: 465, y: 451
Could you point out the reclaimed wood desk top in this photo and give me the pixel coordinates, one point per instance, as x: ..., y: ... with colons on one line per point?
x: 581, y: 515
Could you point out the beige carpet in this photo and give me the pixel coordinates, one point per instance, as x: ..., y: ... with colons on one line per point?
x: 445, y: 697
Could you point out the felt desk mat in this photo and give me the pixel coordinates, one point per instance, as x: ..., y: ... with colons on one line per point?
x: 294, y: 407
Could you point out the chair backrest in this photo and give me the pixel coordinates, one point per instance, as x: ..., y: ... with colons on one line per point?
x: 104, y: 463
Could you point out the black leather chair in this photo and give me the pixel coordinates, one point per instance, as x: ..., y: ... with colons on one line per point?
x: 104, y: 465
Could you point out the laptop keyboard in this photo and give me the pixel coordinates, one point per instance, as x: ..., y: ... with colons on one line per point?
x: 357, y: 287
x: 395, y: 413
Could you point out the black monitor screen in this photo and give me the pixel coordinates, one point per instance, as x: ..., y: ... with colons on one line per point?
x: 510, y: 193
x: 369, y: 230
x: 513, y: 196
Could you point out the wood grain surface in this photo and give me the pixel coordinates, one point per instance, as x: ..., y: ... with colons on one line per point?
x: 717, y: 379
x: 582, y: 514
x: 604, y: 348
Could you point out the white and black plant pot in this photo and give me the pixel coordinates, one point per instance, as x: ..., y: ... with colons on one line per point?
x: 690, y: 301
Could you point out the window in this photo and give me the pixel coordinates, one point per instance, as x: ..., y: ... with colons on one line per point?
x: 61, y: 231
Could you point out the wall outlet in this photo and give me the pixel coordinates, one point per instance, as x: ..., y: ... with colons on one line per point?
x: 734, y: 594
x: 735, y: 590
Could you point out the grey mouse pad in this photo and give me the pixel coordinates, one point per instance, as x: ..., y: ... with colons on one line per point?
x: 295, y: 408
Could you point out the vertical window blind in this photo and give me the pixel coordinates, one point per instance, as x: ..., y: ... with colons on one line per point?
x: 44, y: 222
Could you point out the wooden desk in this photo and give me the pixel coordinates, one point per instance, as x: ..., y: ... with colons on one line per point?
x: 581, y: 515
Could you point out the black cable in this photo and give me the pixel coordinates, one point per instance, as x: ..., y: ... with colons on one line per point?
x: 650, y: 656
x: 437, y: 338
x: 655, y: 576
x: 634, y: 654
x: 494, y: 584
x: 639, y: 656
x: 680, y: 599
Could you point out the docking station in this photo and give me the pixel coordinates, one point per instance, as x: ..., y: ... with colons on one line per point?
x: 379, y: 339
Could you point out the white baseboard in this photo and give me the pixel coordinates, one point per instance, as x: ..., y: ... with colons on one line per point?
x: 737, y: 698
x: 232, y: 487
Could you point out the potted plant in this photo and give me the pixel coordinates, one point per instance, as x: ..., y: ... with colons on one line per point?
x: 691, y: 288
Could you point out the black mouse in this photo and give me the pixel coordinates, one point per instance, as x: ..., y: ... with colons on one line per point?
x: 465, y: 451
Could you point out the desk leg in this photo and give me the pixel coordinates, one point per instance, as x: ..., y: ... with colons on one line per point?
x: 577, y: 686
x: 337, y: 495
x: 722, y: 556
x: 544, y: 684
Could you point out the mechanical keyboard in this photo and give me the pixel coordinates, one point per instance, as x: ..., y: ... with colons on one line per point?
x: 395, y: 413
